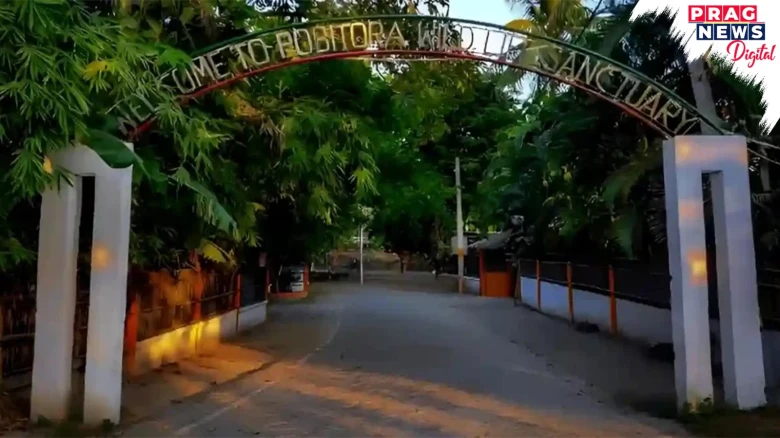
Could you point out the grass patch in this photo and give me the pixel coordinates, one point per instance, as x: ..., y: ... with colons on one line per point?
x: 72, y: 428
x: 13, y: 415
x: 714, y: 421
x: 658, y: 408
x: 723, y: 422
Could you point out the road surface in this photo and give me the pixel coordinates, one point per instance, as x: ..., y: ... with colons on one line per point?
x: 389, y: 359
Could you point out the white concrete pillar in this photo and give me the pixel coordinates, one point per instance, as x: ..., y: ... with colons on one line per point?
x: 55, y: 302
x: 108, y: 296
x: 740, y: 325
x: 58, y: 249
x: 687, y: 267
x: 725, y: 158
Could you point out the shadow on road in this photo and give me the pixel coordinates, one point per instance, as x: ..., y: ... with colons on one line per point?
x: 399, y: 356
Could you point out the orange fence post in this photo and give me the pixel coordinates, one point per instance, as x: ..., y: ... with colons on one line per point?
x: 237, y: 301
x: 2, y: 333
x: 237, y: 294
x: 267, y: 280
x: 306, y: 278
x: 509, y: 274
x: 539, y: 285
x: 482, y: 274
x: 612, y: 302
x: 196, y: 309
x: 570, y: 291
x: 131, y: 333
x: 517, y: 293
x: 519, y: 282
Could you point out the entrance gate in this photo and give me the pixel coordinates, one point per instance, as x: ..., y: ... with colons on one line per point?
x: 401, y: 37
x: 409, y: 37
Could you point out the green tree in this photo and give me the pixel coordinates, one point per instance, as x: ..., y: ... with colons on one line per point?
x: 587, y: 177
x: 443, y: 111
x: 64, y: 66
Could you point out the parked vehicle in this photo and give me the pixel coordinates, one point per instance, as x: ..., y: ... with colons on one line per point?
x: 291, y: 278
x: 321, y: 273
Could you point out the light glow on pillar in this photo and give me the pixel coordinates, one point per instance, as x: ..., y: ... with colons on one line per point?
x: 744, y: 158
x: 691, y: 210
x: 101, y: 257
x: 697, y: 263
x: 684, y: 152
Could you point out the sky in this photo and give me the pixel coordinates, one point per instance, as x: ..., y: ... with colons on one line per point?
x: 492, y: 11
x: 489, y: 11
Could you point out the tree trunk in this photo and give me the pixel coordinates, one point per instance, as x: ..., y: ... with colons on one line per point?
x: 764, y: 171
x: 702, y: 93
x: 705, y: 103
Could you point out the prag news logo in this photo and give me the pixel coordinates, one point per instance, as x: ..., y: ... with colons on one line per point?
x: 735, y: 23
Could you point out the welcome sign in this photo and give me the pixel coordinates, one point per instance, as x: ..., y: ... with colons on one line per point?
x: 420, y: 37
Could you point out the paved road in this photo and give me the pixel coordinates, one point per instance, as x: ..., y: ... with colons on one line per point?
x: 384, y: 360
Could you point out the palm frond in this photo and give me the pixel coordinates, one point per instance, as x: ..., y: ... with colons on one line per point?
x: 207, y: 205
x: 619, y: 184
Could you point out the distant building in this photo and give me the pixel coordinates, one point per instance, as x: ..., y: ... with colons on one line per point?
x: 495, y: 270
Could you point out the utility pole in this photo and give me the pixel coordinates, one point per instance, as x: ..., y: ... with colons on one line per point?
x: 360, y: 240
x: 459, y: 221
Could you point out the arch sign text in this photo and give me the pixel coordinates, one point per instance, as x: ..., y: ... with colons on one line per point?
x: 421, y: 37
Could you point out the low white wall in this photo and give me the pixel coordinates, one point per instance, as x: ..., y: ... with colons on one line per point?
x: 635, y: 321
x: 650, y: 324
x: 184, y: 342
x: 555, y: 299
x: 640, y: 322
x: 771, y: 342
x: 592, y: 308
x: 196, y: 338
x: 252, y: 316
x: 528, y: 291
x: 471, y: 285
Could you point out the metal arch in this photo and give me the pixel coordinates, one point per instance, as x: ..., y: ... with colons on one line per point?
x: 401, y: 54
x: 203, y: 60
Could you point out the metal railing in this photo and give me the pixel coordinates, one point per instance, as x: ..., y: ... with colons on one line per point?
x: 769, y: 297
x: 148, y: 315
x: 161, y: 311
x: 17, y: 332
x: 253, y: 287
x: 645, y: 286
x: 633, y: 284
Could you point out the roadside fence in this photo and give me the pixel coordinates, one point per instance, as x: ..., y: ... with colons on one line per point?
x: 638, y: 285
x: 17, y: 333
x: 164, y: 303
x: 157, y: 304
